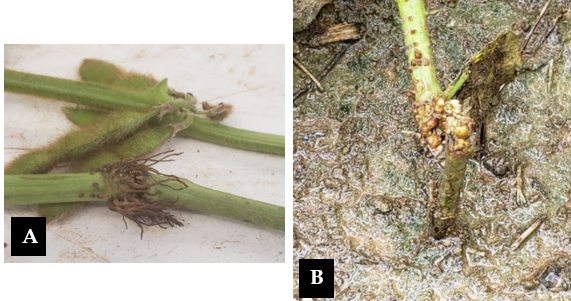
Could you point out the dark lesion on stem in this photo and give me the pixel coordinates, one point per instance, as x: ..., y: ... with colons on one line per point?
x: 135, y: 200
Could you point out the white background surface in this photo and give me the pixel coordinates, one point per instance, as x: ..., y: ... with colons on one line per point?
x: 249, y: 77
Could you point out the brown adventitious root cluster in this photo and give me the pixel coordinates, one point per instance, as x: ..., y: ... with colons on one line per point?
x: 134, y: 180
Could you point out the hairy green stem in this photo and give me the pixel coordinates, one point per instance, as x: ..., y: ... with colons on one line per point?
x: 84, y: 93
x: 65, y: 188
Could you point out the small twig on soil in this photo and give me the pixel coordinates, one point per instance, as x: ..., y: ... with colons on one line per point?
x: 325, y: 71
x: 549, y: 75
x: 521, y: 201
x: 548, y: 32
x: 302, y: 67
x: 528, y: 37
x: 527, y: 233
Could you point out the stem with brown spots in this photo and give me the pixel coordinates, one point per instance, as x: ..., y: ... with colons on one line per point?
x: 419, y: 54
x: 444, y: 122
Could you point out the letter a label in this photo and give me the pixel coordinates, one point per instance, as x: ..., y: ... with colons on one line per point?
x: 31, y: 236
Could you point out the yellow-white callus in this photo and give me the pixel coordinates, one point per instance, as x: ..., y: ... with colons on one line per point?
x: 439, y: 105
x: 433, y: 141
x: 428, y: 125
x: 461, y: 132
x: 460, y: 145
x: 453, y: 107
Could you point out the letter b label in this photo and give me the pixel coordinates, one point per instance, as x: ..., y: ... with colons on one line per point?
x: 316, y: 278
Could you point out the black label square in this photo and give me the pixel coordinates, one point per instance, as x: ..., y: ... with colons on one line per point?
x: 28, y: 236
x: 316, y: 278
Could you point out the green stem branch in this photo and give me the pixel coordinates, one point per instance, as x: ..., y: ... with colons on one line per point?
x: 455, y: 86
x: 220, y: 134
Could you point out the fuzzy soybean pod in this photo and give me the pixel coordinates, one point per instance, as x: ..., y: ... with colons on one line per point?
x: 102, y: 72
x: 77, y: 144
x: 145, y: 141
x: 84, y: 117
x: 138, y: 145
x: 98, y: 71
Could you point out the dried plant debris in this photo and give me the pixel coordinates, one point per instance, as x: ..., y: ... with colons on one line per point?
x: 217, y: 113
x: 339, y: 32
x: 521, y: 200
x: 136, y: 201
x: 309, y: 74
x: 525, y: 235
x: 489, y: 71
x: 530, y: 33
x: 323, y: 73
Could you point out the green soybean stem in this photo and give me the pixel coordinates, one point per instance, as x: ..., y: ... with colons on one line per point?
x: 65, y: 188
x: 227, y: 205
x: 84, y: 93
x: 421, y: 66
x: 450, y: 189
x: 213, y: 132
x: 52, y: 188
x: 419, y: 53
